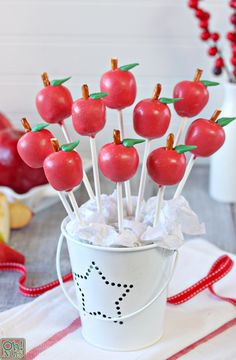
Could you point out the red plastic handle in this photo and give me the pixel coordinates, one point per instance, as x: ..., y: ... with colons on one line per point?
x: 219, y: 269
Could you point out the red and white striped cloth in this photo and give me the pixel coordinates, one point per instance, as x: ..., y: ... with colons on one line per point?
x: 201, y: 328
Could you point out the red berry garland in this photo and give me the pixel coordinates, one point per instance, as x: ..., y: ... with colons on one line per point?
x: 206, y: 35
x: 212, y: 51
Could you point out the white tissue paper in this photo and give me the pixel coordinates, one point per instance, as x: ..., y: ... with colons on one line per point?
x: 175, y: 219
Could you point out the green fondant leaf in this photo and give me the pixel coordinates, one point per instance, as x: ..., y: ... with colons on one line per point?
x: 70, y: 146
x: 39, y: 127
x: 98, y: 95
x: 164, y: 100
x: 209, y: 83
x: 128, y: 66
x: 225, y: 121
x: 184, y: 148
x: 59, y: 81
x: 132, y: 142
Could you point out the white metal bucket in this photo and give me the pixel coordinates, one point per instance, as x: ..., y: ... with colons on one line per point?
x: 121, y: 292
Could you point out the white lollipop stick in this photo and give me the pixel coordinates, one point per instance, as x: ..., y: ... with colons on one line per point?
x: 181, y: 128
x: 85, y: 178
x: 96, y: 172
x: 129, y: 204
x: 127, y: 183
x: 160, y: 197
x: 142, y: 179
x: 65, y: 132
x: 65, y: 204
x: 119, y: 206
x: 186, y: 175
x: 121, y: 124
x: 74, y: 205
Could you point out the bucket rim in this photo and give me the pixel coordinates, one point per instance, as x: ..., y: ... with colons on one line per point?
x: 107, y: 248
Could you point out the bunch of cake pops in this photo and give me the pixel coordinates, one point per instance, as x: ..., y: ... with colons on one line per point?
x: 118, y: 160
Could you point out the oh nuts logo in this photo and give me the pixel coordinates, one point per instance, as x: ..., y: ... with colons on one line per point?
x: 12, y: 349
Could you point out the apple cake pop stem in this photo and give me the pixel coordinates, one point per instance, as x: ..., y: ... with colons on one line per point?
x: 65, y: 204
x: 142, y: 179
x: 119, y: 206
x: 185, y: 177
x: 215, y: 115
x: 96, y: 172
x: 160, y: 197
x: 85, y: 178
x: 26, y: 124
x: 114, y: 63
x: 45, y: 79
x: 127, y: 183
x: 197, y: 75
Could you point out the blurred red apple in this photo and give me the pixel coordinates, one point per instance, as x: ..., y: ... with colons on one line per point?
x: 4, y: 122
x: 14, y: 173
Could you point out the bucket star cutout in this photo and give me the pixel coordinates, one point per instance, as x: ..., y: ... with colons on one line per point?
x: 125, y: 290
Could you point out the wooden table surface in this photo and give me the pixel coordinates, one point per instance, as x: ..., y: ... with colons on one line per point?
x: 39, y: 239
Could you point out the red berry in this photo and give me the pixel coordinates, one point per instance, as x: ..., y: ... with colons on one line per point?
x: 212, y: 51
x: 219, y: 63
x: 233, y: 60
x: 232, y: 4
x: 202, y: 15
x: 215, y: 36
x: 233, y: 46
x: 231, y: 36
x: 205, y: 35
x: 205, y: 15
x: 199, y: 14
x: 233, y: 19
x: 217, y: 70
x: 193, y: 4
x: 203, y: 24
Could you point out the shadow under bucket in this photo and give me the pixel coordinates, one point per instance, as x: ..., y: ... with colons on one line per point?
x: 121, y: 292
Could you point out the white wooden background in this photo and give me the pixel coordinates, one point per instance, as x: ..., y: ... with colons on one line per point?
x: 78, y: 38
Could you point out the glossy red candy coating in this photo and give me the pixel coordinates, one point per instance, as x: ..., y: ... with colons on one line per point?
x: 14, y: 173
x: 151, y: 118
x: 166, y: 167
x: 117, y: 162
x: 194, y: 98
x: 207, y: 135
x: 34, y: 147
x: 54, y: 103
x: 121, y: 88
x: 63, y: 170
x: 88, y: 116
